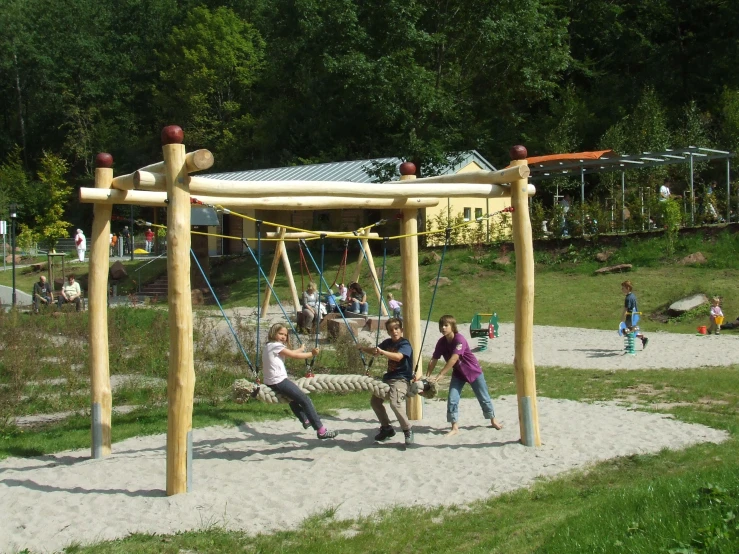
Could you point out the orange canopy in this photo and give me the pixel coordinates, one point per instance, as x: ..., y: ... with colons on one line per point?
x: 570, y: 157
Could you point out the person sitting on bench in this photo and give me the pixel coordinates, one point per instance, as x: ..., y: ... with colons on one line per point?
x: 42, y: 293
x: 71, y: 292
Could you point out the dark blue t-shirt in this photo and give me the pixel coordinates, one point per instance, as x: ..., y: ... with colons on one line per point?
x: 402, y: 369
x: 630, y: 305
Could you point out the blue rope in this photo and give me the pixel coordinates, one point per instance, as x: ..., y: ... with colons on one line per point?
x: 259, y: 280
x: 233, y: 332
x: 374, y: 281
x: 259, y: 266
x: 341, y: 313
x: 433, y: 296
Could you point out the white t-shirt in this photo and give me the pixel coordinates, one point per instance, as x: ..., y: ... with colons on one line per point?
x: 273, y: 366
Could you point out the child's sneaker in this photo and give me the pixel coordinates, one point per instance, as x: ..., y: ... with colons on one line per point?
x: 306, y: 424
x: 409, y: 438
x: 717, y: 333
x: 384, y: 434
x: 328, y: 435
x: 644, y: 342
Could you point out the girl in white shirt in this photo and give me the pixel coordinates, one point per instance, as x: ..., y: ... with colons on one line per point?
x: 275, y: 377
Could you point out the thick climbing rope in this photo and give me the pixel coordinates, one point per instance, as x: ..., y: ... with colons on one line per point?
x: 244, y: 390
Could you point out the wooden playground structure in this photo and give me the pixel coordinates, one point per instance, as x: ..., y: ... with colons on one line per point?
x: 169, y: 184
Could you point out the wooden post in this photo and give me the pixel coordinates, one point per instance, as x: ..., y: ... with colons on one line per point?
x: 411, y: 292
x: 358, y: 269
x: 523, y: 360
x: 373, y: 271
x: 181, y: 382
x: 102, y: 399
x: 290, y: 280
x: 280, y: 245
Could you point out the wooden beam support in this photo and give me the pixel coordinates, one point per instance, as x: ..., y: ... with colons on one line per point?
x: 273, y: 270
x: 411, y: 298
x: 102, y: 397
x: 523, y: 360
x: 159, y: 199
x: 181, y: 381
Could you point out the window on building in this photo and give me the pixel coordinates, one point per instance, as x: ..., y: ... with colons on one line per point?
x: 478, y: 213
x: 467, y: 214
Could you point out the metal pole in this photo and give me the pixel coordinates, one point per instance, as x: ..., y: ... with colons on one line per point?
x: 692, y: 195
x: 641, y: 195
x: 12, y: 248
x: 728, y: 190
x: 130, y: 244
x: 623, y: 202
x: 487, y: 221
x: 582, y: 199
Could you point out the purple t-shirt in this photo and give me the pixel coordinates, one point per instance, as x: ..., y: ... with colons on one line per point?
x: 467, y: 367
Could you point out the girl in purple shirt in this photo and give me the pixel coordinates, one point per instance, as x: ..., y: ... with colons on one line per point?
x: 453, y: 347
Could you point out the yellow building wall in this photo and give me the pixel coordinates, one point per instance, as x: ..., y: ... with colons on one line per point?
x: 450, y: 208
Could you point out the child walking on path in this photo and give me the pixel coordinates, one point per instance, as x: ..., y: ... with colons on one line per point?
x: 453, y: 347
x: 716, y: 312
x: 394, y: 305
x: 399, y: 354
x: 630, y: 309
x: 275, y: 377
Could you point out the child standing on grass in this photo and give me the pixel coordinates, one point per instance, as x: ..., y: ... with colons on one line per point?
x: 399, y: 354
x: 275, y: 377
x: 453, y: 347
x: 394, y: 305
x: 630, y: 309
x: 715, y: 327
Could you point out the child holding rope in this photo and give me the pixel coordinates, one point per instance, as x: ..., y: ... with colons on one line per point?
x: 453, y: 347
x: 275, y: 377
x: 399, y: 354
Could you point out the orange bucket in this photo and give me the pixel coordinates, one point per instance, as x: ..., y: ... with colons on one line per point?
x: 702, y: 330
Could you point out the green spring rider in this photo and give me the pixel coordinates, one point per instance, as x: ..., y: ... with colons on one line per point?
x: 483, y: 332
x: 630, y: 337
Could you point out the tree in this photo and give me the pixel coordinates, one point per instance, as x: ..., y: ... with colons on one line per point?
x: 54, y: 193
x: 209, y: 65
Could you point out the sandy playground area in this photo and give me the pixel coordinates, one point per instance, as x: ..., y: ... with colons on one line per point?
x: 266, y: 476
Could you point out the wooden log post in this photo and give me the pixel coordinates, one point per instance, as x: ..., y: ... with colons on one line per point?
x: 102, y: 399
x: 373, y: 270
x: 411, y: 291
x: 181, y: 381
x: 290, y: 280
x: 273, y: 270
x: 523, y: 360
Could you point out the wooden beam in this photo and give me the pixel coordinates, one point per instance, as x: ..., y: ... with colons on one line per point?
x: 260, y: 189
x: 411, y: 298
x: 181, y: 381
x: 147, y: 198
x: 102, y: 398
x: 498, y: 177
x: 273, y: 270
x: 199, y: 160
x: 523, y: 360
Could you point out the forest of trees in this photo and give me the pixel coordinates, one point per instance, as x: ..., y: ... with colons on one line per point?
x: 268, y: 83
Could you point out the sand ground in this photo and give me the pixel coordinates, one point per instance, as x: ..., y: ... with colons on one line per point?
x: 266, y: 476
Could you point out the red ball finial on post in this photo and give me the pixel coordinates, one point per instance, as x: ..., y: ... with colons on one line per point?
x: 518, y: 152
x: 407, y: 168
x: 172, y: 134
x: 103, y: 160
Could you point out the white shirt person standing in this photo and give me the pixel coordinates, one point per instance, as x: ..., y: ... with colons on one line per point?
x: 80, y: 242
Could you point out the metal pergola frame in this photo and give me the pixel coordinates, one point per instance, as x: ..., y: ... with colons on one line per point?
x: 691, y: 154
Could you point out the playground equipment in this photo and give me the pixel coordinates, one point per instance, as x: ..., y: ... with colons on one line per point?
x: 168, y: 184
x: 629, y: 333
x: 483, y: 333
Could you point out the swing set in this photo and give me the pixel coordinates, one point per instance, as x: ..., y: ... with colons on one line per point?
x: 169, y: 183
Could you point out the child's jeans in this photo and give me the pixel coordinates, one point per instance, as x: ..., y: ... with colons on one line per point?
x: 479, y: 387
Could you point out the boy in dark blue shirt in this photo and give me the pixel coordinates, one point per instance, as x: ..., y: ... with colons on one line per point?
x: 399, y: 354
x: 630, y: 309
